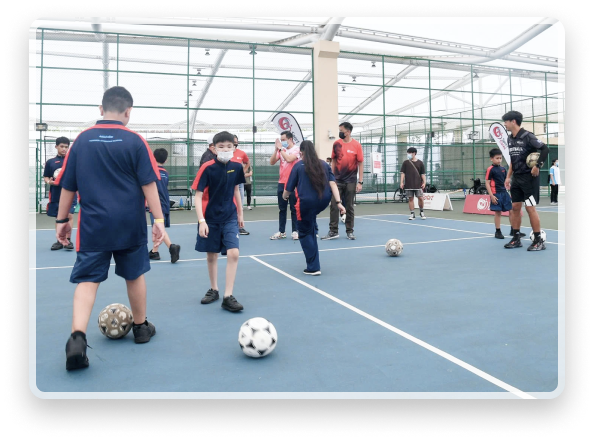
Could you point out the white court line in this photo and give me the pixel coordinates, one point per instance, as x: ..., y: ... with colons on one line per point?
x: 405, y: 335
x: 439, y: 227
x: 281, y: 253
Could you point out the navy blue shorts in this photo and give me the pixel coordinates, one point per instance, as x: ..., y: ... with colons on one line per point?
x: 221, y: 236
x: 165, y: 217
x: 504, y: 202
x: 94, y: 266
x: 52, y: 208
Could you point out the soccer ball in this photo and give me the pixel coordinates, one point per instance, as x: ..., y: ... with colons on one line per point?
x: 543, y: 235
x: 115, y: 321
x: 532, y: 159
x: 394, y: 247
x: 57, y: 173
x: 257, y: 337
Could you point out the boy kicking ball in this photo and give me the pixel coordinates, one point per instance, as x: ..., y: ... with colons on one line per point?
x: 500, y: 199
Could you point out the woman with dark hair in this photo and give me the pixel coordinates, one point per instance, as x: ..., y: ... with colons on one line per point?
x: 314, y: 185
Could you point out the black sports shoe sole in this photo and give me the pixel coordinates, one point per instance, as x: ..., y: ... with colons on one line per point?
x: 536, y: 250
x: 57, y: 249
x: 77, y: 361
x: 151, y: 257
x: 315, y: 273
x: 513, y: 247
x: 209, y: 300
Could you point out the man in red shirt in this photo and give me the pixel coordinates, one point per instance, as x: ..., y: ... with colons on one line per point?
x: 347, y: 160
x: 241, y: 157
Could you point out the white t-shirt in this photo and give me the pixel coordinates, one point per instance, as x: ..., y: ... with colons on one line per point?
x: 556, y: 178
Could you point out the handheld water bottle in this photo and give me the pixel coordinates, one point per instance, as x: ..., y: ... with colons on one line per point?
x: 181, y: 202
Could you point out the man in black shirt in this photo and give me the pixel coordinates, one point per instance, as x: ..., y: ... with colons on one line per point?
x: 209, y: 153
x: 523, y: 188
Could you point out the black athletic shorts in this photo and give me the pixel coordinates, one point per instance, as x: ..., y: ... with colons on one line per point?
x: 523, y: 189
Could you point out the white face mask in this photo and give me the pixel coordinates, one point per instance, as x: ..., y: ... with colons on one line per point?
x: 409, y: 156
x: 556, y: 164
x: 225, y: 156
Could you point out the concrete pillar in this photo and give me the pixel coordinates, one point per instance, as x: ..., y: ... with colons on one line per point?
x: 325, y: 95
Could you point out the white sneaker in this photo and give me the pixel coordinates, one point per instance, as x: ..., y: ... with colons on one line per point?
x: 423, y: 216
x: 249, y: 208
x: 412, y: 217
x: 278, y: 236
x: 295, y: 235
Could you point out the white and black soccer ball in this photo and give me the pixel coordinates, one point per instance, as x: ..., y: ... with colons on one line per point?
x: 257, y: 337
x: 57, y: 173
x: 115, y: 321
x: 394, y: 247
x: 543, y: 235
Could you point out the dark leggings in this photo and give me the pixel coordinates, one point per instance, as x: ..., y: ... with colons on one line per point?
x: 248, y: 193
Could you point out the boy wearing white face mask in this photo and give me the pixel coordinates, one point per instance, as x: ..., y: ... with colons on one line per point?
x: 220, y: 215
x: 412, y: 180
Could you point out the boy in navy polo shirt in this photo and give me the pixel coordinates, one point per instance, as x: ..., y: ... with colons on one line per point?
x: 220, y: 215
x: 161, y: 156
x: 500, y: 199
x: 51, y: 166
x: 114, y: 171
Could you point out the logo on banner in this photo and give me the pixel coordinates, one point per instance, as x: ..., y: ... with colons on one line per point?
x: 286, y: 121
x: 497, y: 132
x: 482, y: 204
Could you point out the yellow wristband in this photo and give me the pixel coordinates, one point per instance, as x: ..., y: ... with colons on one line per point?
x: 159, y: 220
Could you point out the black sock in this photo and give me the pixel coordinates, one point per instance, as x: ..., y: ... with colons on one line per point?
x: 145, y: 322
x: 516, y: 232
x: 413, y: 212
x: 79, y: 333
x: 537, y: 236
x: 497, y: 230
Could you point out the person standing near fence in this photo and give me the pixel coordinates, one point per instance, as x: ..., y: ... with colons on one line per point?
x: 241, y: 157
x: 209, y: 154
x: 248, y: 186
x: 313, y: 182
x: 412, y: 180
x: 51, y: 166
x: 114, y: 171
x: 288, y: 154
x: 521, y: 180
x: 555, y: 179
x: 347, y: 160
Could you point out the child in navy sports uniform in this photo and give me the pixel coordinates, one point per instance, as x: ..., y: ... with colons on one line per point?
x: 51, y: 166
x: 161, y: 157
x: 220, y: 216
x: 114, y: 171
x: 500, y: 199
x: 314, y: 185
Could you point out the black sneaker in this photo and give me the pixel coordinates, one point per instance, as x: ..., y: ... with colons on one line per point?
x: 211, y: 296
x: 331, y: 236
x: 154, y: 255
x: 537, y: 245
x: 76, y: 351
x: 351, y: 236
x: 57, y: 246
x: 143, y: 332
x: 243, y: 232
x: 231, y: 304
x: 312, y: 272
x: 174, y: 252
x: 69, y: 246
x: 515, y: 242
x: 498, y: 234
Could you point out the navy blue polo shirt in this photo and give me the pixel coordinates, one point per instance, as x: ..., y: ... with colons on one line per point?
x: 305, y: 192
x: 496, y: 175
x: 163, y: 191
x: 50, y: 167
x: 217, y: 181
x: 108, y: 164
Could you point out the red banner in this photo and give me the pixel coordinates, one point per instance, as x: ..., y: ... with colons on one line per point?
x: 479, y: 204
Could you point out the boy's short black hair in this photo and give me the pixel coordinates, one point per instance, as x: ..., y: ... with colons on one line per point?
x: 223, y: 136
x: 347, y: 125
x: 513, y: 116
x: 117, y: 99
x: 161, y: 155
x: 411, y: 150
x: 495, y: 152
x: 62, y: 140
x: 288, y: 134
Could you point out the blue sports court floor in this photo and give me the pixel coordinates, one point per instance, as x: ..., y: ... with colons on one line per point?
x: 456, y: 312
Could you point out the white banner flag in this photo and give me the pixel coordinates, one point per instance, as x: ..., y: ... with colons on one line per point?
x: 376, y: 160
x: 285, y: 121
x: 499, y: 135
